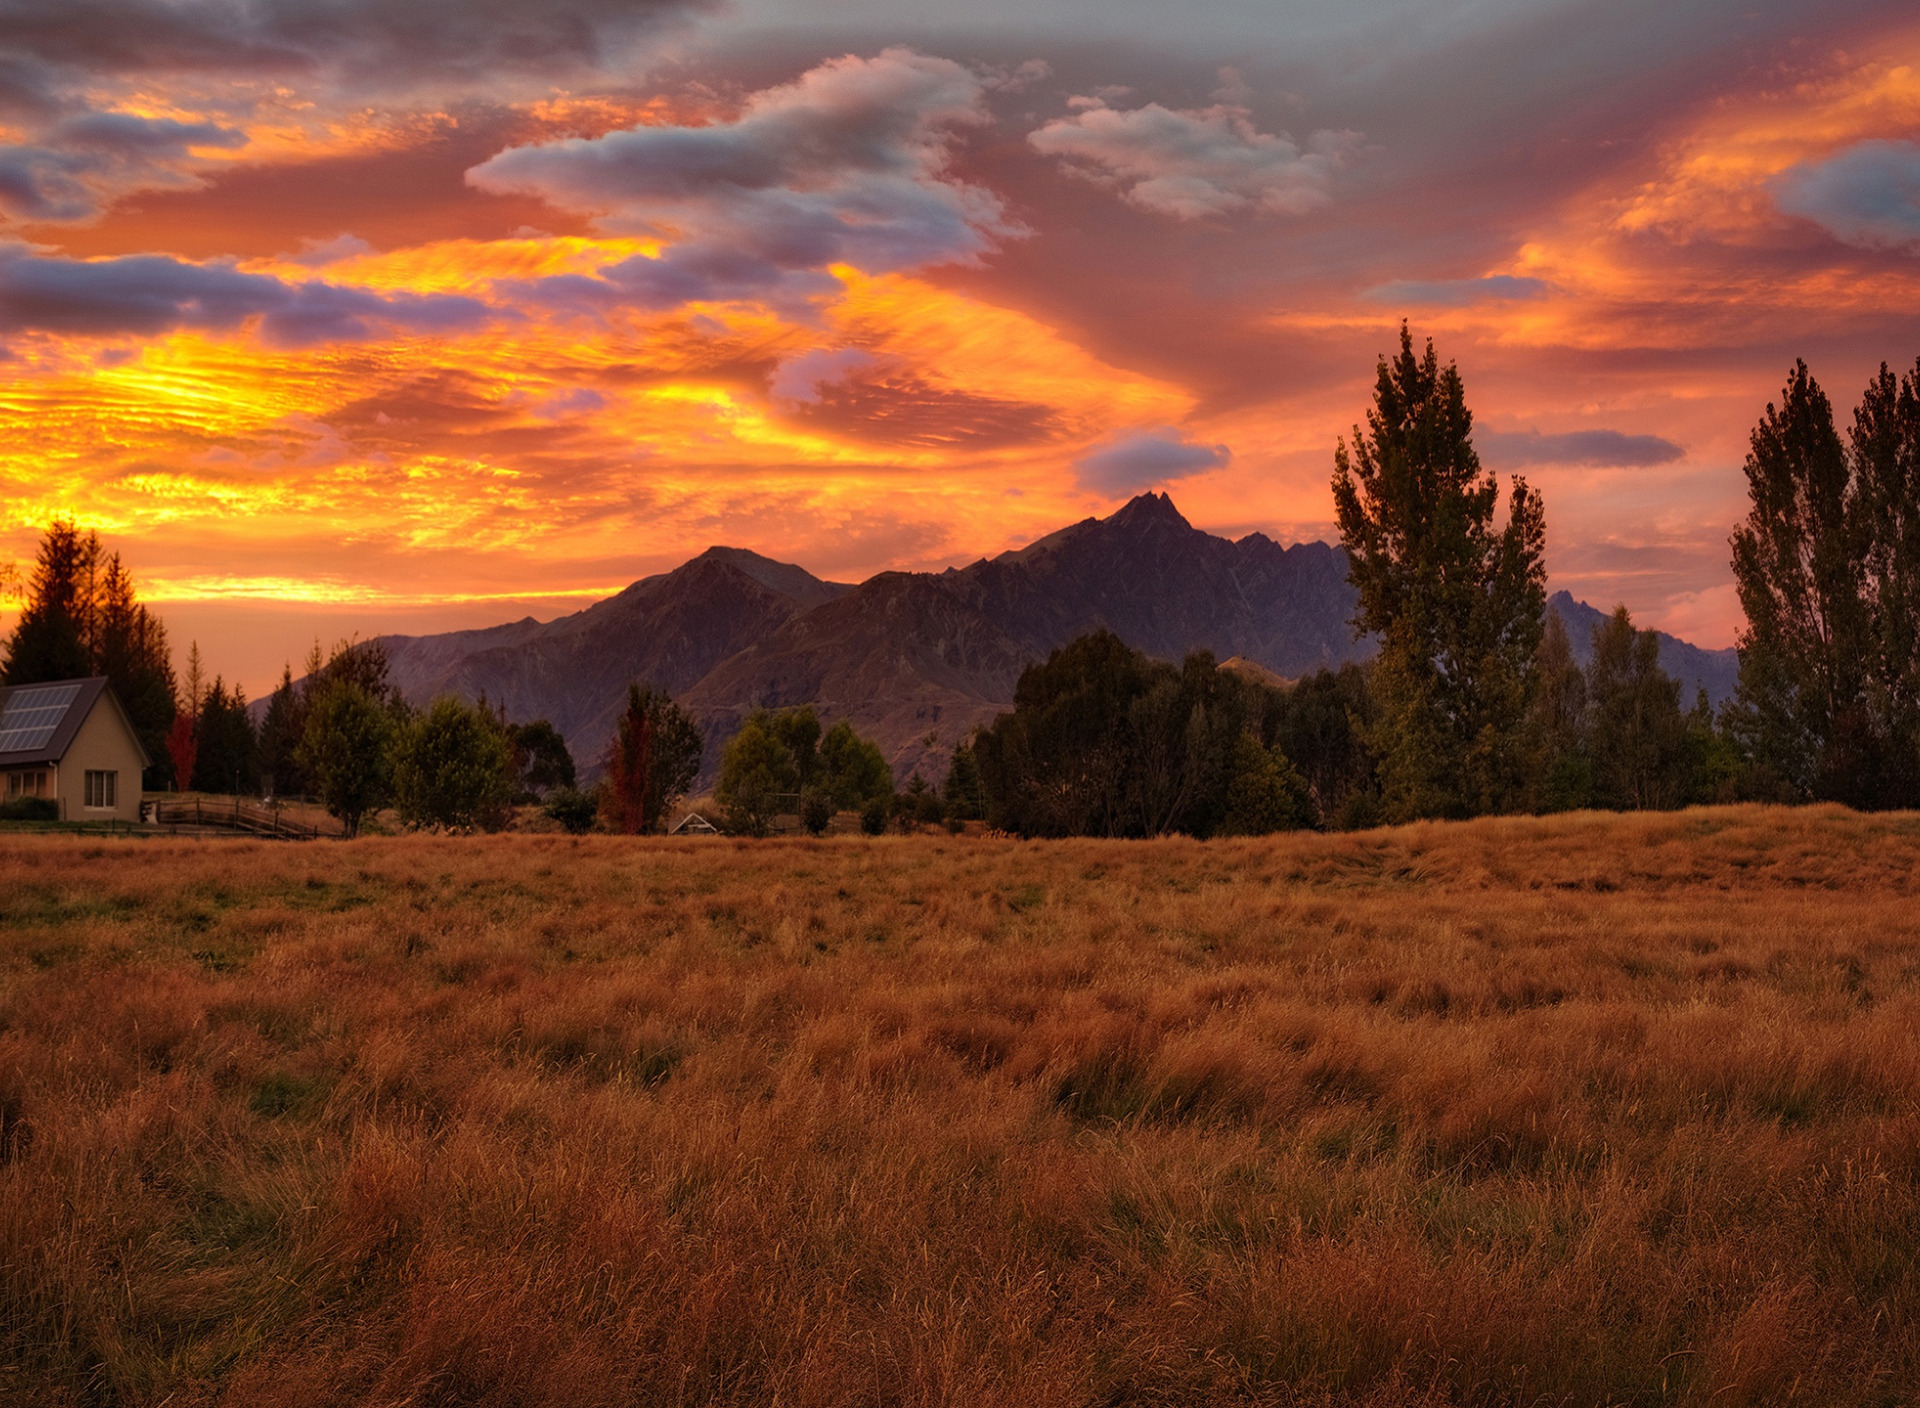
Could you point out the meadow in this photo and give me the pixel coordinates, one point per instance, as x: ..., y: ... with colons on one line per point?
x: 1580, y: 1110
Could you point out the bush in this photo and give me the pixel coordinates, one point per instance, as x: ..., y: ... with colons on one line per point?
x: 30, y: 809
x: 453, y: 768
x: 816, y: 813
x: 573, y: 809
x: 873, y: 816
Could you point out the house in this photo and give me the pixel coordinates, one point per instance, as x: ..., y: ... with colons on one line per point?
x: 693, y: 824
x: 71, y: 741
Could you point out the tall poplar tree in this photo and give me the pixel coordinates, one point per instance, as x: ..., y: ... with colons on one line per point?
x: 1455, y: 598
x: 1800, y: 566
x: 1885, y: 446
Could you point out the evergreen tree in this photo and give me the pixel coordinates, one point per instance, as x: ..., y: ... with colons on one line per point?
x: 53, y: 639
x: 1561, y: 771
x: 1799, y: 564
x: 1637, y: 736
x: 452, y: 767
x: 1265, y: 793
x: 1455, y: 600
x: 131, y: 651
x: 961, y: 791
x: 346, y: 750
x: 226, y: 755
x: 653, y: 760
x: 280, y: 731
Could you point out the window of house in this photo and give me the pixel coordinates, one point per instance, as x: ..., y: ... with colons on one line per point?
x: 27, y: 784
x: 101, y: 788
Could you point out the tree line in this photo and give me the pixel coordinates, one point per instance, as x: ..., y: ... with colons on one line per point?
x: 1473, y: 702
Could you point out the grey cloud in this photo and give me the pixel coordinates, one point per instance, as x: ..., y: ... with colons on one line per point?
x: 81, y: 161
x: 1456, y: 293
x: 845, y: 165
x: 144, y: 295
x: 361, y: 41
x: 62, y: 62
x: 1609, y: 449
x: 1190, y: 164
x: 1145, y: 458
x: 1868, y: 195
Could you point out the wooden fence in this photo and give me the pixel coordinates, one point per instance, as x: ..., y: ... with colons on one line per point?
x: 235, y: 816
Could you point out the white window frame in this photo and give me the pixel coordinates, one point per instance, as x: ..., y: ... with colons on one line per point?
x: 30, y: 783
x: 102, y: 789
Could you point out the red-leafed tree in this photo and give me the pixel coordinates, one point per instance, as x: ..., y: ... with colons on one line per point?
x: 654, y: 757
x: 183, y: 747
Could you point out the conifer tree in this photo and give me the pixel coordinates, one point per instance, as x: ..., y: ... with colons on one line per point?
x: 280, y: 731
x: 1455, y: 599
x: 53, y: 638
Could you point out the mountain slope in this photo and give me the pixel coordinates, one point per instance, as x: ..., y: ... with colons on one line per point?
x: 1715, y: 671
x: 668, y: 630
x: 909, y: 655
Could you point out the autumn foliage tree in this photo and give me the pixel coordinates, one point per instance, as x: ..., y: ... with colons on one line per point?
x: 654, y: 757
x: 1455, y: 598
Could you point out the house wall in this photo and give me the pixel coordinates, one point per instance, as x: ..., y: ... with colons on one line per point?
x: 104, y: 744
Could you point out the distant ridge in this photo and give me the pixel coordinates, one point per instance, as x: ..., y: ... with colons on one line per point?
x: 916, y: 659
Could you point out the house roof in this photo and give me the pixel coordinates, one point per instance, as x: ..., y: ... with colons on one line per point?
x: 38, y: 722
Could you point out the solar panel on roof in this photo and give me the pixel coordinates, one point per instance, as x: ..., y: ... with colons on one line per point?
x: 32, y: 713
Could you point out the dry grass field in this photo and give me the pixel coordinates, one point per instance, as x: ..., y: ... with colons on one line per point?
x: 1582, y: 1111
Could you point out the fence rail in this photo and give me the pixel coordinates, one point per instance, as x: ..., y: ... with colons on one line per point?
x: 235, y: 816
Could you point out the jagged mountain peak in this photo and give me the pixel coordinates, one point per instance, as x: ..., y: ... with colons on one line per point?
x: 1148, y: 509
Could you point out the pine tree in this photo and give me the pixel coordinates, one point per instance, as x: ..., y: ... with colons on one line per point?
x: 53, y: 639
x: 131, y: 651
x: 280, y: 731
x: 227, y: 751
x: 1456, y: 601
x: 1800, y: 566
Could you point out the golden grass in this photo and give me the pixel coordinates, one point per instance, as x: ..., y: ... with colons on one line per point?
x: 1578, y: 1110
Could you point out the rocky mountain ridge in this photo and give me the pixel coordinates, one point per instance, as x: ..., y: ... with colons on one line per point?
x: 916, y: 659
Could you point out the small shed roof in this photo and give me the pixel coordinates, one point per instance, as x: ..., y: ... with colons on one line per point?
x: 38, y: 722
x: 695, y: 824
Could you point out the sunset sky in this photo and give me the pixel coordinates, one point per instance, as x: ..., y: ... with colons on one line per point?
x: 346, y: 316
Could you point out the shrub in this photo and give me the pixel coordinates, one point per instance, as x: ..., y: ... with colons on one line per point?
x: 873, y: 816
x: 573, y: 809
x: 816, y: 813
x: 30, y: 809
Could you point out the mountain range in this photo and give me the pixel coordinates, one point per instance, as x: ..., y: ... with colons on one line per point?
x: 916, y: 659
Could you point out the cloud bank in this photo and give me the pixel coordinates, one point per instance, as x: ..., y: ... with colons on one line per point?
x: 1599, y: 449
x: 846, y: 165
x: 1867, y: 195
x: 1193, y: 164
x: 1145, y: 458
x: 146, y: 295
